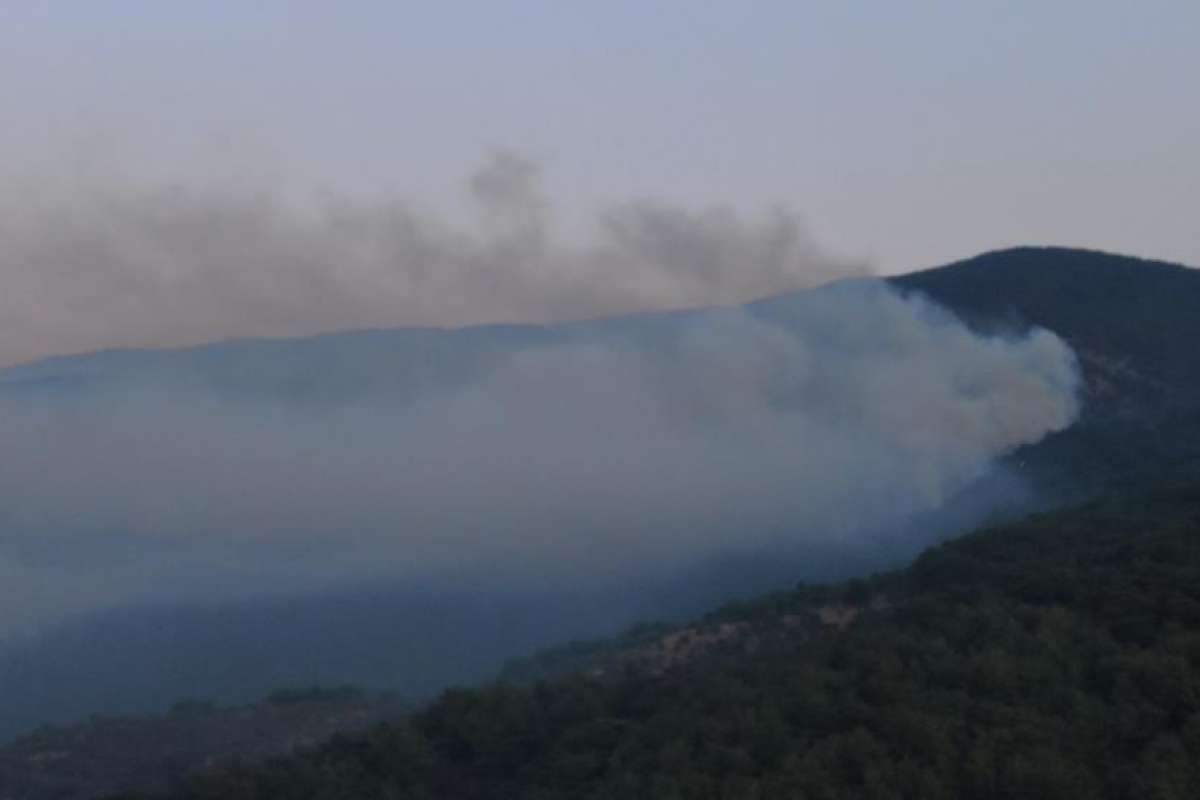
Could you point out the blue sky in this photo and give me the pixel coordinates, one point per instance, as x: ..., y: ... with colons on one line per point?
x: 905, y: 134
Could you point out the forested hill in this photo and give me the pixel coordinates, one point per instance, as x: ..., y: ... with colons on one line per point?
x: 1056, y: 657
x: 1133, y: 325
x: 1133, y: 322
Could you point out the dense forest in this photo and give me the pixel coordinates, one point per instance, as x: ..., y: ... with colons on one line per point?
x: 1053, y: 657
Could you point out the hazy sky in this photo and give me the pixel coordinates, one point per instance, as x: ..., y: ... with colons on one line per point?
x: 902, y: 134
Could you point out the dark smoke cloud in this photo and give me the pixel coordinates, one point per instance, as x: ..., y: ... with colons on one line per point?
x: 591, y: 451
x: 92, y: 256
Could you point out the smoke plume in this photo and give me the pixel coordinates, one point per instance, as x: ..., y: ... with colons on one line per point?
x: 94, y: 256
x: 593, y: 450
x: 408, y: 506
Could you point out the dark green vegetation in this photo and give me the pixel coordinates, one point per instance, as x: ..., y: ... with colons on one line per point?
x: 1055, y: 657
x: 107, y: 754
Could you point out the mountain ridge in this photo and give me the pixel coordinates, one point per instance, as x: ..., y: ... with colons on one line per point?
x: 1027, y: 256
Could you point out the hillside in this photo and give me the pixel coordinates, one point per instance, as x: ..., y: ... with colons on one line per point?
x: 1131, y: 321
x: 1133, y: 324
x: 110, y: 754
x: 1055, y: 657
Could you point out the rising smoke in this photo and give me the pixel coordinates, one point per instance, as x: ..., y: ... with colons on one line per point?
x: 94, y: 257
x: 512, y: 484
x: 597, y: 450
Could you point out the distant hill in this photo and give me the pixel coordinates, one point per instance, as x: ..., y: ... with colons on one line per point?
x: 1132, y: 320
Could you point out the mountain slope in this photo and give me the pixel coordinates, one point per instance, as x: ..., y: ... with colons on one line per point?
x: 1054, y: 657
x: 1050, y: 657
x: 1141, y: 420
x: 1133, y: 324
x: 111, y: 754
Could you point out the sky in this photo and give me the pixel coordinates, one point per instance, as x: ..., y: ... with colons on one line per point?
x: 894, y: 136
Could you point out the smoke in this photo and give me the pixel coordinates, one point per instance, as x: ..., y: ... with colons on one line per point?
x: 95, y: 256
x: 602, y: 453
x: 409, y: 506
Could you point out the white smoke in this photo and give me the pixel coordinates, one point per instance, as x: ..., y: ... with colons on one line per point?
x: 808, y: 420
